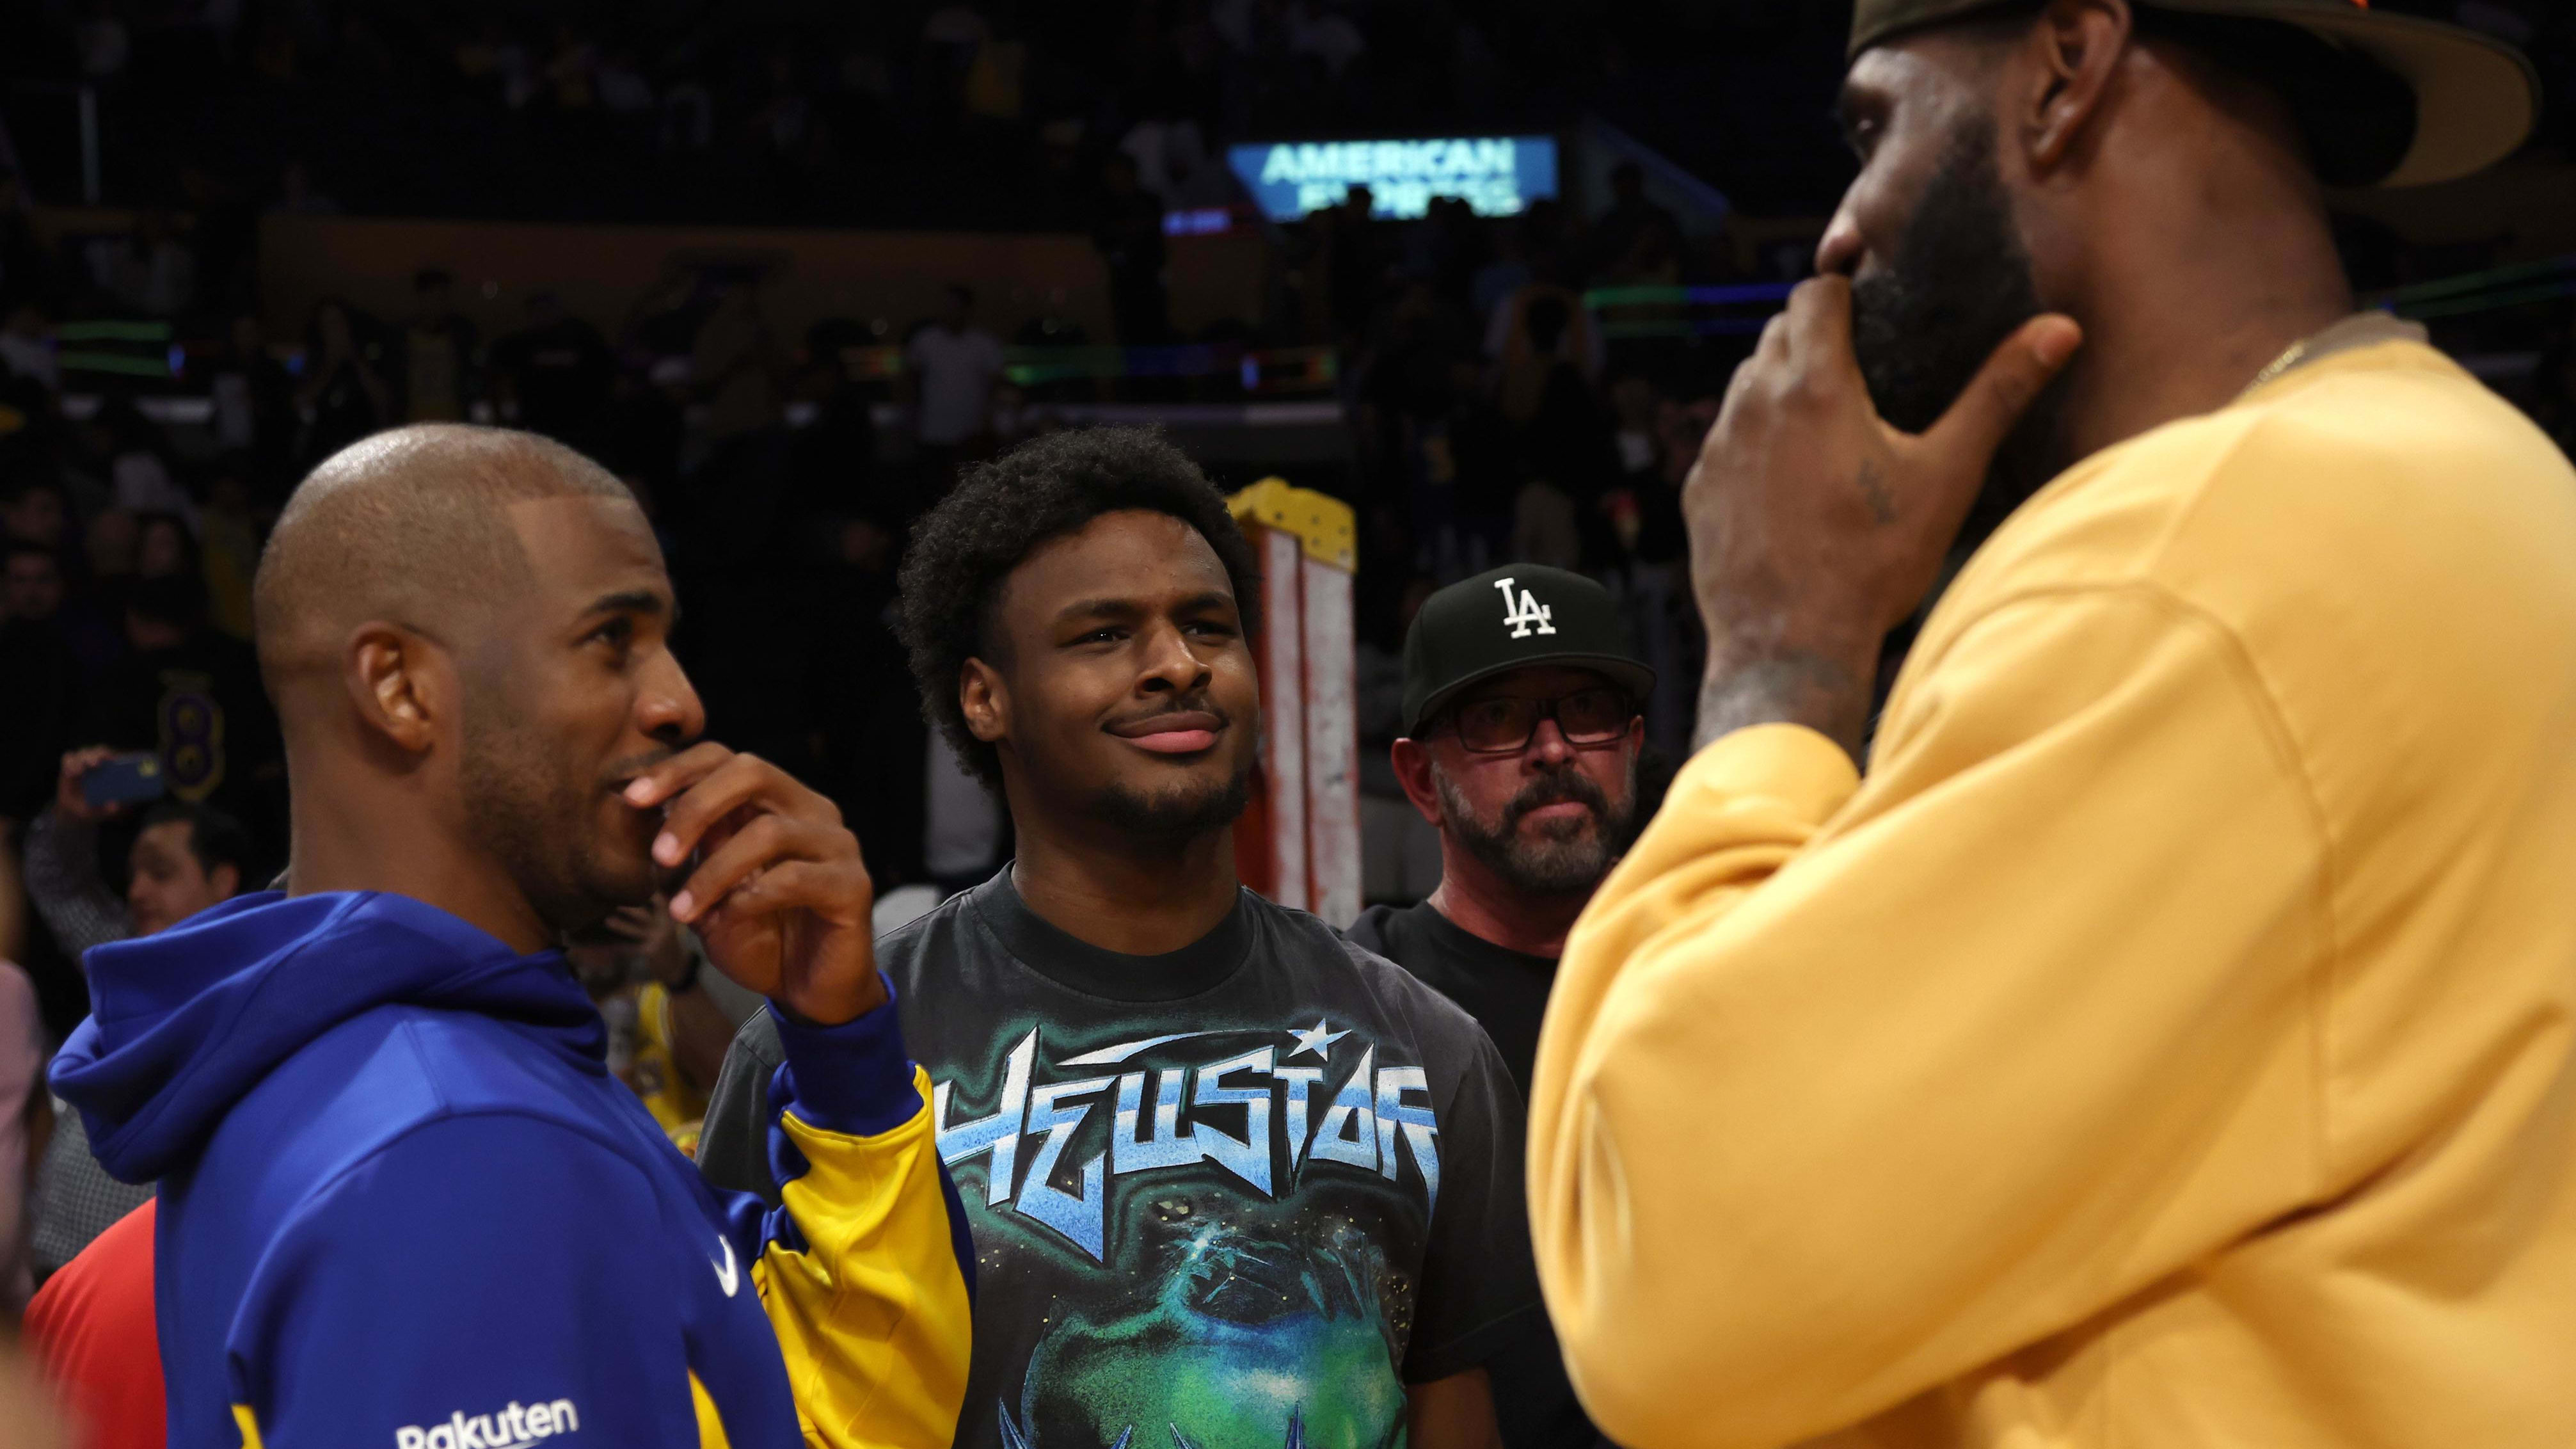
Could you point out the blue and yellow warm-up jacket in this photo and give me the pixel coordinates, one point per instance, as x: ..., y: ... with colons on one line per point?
x: 404, y: 1205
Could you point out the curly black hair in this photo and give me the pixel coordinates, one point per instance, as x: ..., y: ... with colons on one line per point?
x: 1002, y: 511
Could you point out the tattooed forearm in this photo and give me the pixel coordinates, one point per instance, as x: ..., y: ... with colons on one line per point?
x: 1785, y: 685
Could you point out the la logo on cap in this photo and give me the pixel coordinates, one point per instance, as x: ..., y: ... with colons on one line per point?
x: 1524, y: 614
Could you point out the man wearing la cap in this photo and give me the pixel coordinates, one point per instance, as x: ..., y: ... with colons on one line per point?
x: 2166, y: 1040
x: 1522, y: 727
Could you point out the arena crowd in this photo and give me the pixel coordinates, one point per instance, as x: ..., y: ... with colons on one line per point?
x: 1509, y: 410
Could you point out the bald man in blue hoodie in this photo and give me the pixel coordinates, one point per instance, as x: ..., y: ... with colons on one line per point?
x: 403, y: 1201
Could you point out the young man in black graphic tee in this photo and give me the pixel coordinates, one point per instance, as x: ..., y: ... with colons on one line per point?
x: 1231, y: 1180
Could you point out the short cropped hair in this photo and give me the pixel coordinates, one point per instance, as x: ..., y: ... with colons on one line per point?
x: 214, y: 837
x: 964, y: 549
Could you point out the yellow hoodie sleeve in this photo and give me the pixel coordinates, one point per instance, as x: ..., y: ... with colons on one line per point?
x: 864, y: 1271
x: 1848, y: 1088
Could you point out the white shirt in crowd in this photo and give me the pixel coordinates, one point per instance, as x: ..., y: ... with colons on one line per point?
x: 143, y: 484
x: 957, y: 372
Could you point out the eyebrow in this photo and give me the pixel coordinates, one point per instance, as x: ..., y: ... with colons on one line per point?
x: 1129, y: 608
x: 1848, y: 101
x: 633, y: 601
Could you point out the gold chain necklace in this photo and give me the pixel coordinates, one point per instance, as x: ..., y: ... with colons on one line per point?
x: 2297, y: 354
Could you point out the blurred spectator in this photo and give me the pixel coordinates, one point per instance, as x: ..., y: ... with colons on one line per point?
x: 27, y: 346
x: 688, y: 115
x: 13, y: 919
x: 438, y: 352
x: 296, y: 195
x: 228, y: 554
x: 1327, y: 35
x: 104, y: 43
x: 1652, y: 258
x: 873, y: 738
x: 572, y: 71
x: 1127, y: 226
x: 40, y: 676
x: 149, y: 270
x: 1536, y: 330
x: 138, y: 466
x: 1355, y: 261
x: 1515, y: 244
x: 951, y: 37
x: 22, y: 257
x: 163, y: 547
x: 665, y: 319
x: 622, y: 86
x: 344, y: 395
x: 1448, y: 247
x: 1629, y: 216
x: 1564, y: 440
x: 953, y: 365
x: 735, y: 362
x: 554, y: 375
x: 1172, y: 161
x: 674, y: 1017
x: 785, y: 119
x: 93, y: 1332
x: 995, y: 85
x: 193, y: 694
x: 255, y: 403
x: 27, y: 1407
x: 34, y: 510
x: 184, y: 859
x: 26, y: 1111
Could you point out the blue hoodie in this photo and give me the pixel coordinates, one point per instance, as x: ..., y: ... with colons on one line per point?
x: 405, y: 1205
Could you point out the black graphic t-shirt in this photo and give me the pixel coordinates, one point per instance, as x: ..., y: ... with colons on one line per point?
x: 1506, y: 991
x: 1234, y: 1197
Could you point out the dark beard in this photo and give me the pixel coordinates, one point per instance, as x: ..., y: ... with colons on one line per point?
x: 1175, y: 816
x: 1959, y: 284
x: 535, y: 820
x: 1567, y: 863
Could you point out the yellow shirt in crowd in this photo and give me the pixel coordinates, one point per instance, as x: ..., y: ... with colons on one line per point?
x: 2168, y: 1042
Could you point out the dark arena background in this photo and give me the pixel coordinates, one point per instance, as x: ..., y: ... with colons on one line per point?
x: 1467, y: 277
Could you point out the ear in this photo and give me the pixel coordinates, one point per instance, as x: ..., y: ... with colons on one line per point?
x: 403, y: 686
x: 2062, y: 78
x: 1412, y: 760
x: 985, y: 699
x: 226, y: 880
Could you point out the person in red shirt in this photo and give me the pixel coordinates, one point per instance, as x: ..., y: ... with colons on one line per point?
x: 92, y: 1333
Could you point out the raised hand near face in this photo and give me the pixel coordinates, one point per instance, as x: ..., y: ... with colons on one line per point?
x: 1816, y: 527
x: 777, y: 890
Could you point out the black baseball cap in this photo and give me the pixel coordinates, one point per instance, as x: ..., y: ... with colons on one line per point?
x: 1510, y: 618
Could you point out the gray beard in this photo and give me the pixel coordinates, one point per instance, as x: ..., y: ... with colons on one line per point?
x: 1568, y: 863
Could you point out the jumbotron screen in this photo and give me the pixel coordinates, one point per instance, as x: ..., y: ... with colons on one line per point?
x: 1496, y: 175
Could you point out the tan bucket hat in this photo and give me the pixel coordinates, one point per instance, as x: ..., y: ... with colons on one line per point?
x: 2476, y: 98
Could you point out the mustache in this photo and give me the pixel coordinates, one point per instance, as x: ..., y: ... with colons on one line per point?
x: 1557, y: 788
x: 620, y: 773
x: 1191, y: 704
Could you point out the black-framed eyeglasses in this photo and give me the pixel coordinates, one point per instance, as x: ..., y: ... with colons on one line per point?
x: 1503, y: 724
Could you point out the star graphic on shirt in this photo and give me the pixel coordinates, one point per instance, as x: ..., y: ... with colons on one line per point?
x: 1319, y: 1041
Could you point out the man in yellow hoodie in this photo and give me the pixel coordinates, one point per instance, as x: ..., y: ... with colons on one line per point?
x: 2166, y: 1040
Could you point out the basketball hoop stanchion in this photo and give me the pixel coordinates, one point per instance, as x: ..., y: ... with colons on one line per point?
x: 1299, y: 843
